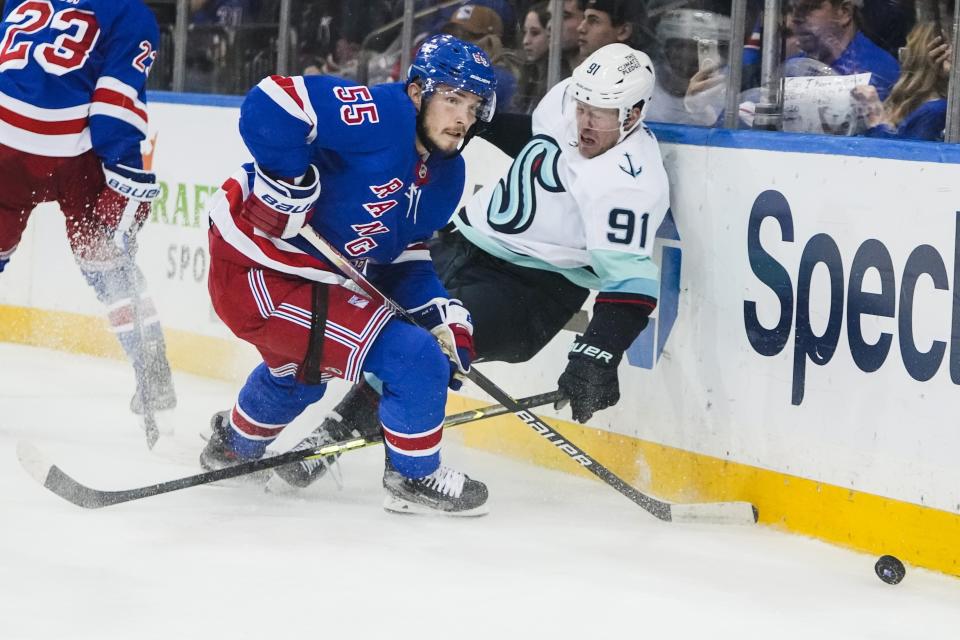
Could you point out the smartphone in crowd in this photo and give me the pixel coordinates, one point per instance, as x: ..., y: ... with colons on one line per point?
x: 708, y: 54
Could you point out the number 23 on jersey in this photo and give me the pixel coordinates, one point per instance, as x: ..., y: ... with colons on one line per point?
x: 76, y: 33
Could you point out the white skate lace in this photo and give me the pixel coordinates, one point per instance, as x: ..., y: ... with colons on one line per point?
x: 447, y: 481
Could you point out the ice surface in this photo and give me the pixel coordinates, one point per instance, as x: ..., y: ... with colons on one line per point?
x: 558, y: 557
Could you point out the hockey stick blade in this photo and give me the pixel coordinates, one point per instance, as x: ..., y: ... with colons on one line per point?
x: 57, y: 481
x: 714, y: 513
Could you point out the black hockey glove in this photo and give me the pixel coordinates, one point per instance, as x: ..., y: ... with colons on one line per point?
x: 590, y: 380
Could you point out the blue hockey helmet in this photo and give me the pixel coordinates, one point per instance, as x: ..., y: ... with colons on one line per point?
x: 444, y: 59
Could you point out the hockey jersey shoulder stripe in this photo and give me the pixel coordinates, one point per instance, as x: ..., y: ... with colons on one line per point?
x: 290, y: 94
x: 300, y: 88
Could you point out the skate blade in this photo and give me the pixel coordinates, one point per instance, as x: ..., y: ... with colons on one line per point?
x: 393, y: 504
x: 278, y: 486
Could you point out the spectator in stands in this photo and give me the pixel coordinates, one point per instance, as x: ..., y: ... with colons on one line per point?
x: 887, y: 22
x: 826, y: 30
x: 609, y: 21
x: 536, y: 37
x: 917, y: 106
x: 532, y: 83
x: 506, y: 10
x: 483, y: 27
x: 572, y: 17
x: 691, y: 67
x: 213, y: 32
x: 330, y: 34
x: 226, y: 13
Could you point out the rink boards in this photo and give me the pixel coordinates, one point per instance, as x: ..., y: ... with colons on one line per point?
x: 805, y: 355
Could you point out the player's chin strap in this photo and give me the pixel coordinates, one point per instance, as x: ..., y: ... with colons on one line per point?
x: 625, y: 132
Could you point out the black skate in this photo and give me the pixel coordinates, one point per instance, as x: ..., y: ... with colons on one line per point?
x: 218, y: 455
x: 443, y: 492
x: 356, y: 416
x: 157, y: 381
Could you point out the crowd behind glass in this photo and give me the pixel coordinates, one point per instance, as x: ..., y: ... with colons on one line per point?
x: 876, y: 68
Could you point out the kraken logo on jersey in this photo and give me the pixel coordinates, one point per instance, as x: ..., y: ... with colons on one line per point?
x: 513, y: 203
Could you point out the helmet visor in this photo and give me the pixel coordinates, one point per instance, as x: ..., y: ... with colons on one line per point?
x: 485, y: 108
x: 462, y: 99
x: 588, y: 116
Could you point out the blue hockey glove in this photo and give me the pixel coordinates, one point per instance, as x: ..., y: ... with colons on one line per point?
x: 450, y: 322
x: 124, y: 202
x: 279, y: 208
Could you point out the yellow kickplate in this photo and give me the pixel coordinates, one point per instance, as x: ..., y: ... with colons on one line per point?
x: 869, y: 523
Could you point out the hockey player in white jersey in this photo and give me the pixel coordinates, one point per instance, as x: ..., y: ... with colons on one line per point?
x: 577, y: 211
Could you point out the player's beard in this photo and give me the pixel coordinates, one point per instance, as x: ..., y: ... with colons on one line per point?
x: 431, y: 145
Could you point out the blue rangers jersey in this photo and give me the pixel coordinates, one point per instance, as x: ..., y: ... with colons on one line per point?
x: 72, y: 77
x: 378, y: 202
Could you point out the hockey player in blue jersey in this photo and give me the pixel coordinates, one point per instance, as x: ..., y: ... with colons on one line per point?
x: 576, y: 212
x: 375, y: 171
x: 72, y: 116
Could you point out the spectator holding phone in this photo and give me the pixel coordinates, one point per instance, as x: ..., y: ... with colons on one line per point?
x: 917, y: 106
x: 691, y: 67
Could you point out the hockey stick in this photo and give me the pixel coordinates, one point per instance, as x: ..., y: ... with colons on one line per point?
x: 54, y: 479
x: 150, y: 429
x: 713, y: 512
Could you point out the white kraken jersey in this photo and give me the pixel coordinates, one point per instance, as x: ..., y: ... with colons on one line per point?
x: 593, y: 220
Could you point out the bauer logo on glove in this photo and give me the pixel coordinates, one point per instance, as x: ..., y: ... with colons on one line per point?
x: 589, y: 381
x: 133, y: 190
x: 592, y: 352
x: 280, y: 208
x: 286, y: 207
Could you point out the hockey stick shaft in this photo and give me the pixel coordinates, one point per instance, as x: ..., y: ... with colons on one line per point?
x: 54, y: 479
x: 658, y: 508
x: 142, y: 359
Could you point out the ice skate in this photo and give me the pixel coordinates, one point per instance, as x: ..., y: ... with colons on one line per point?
x: 218, y: 455
x: 355, y: 416
x: 444, y: 492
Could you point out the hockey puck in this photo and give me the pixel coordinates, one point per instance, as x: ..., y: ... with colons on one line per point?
x: 890, y: 569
